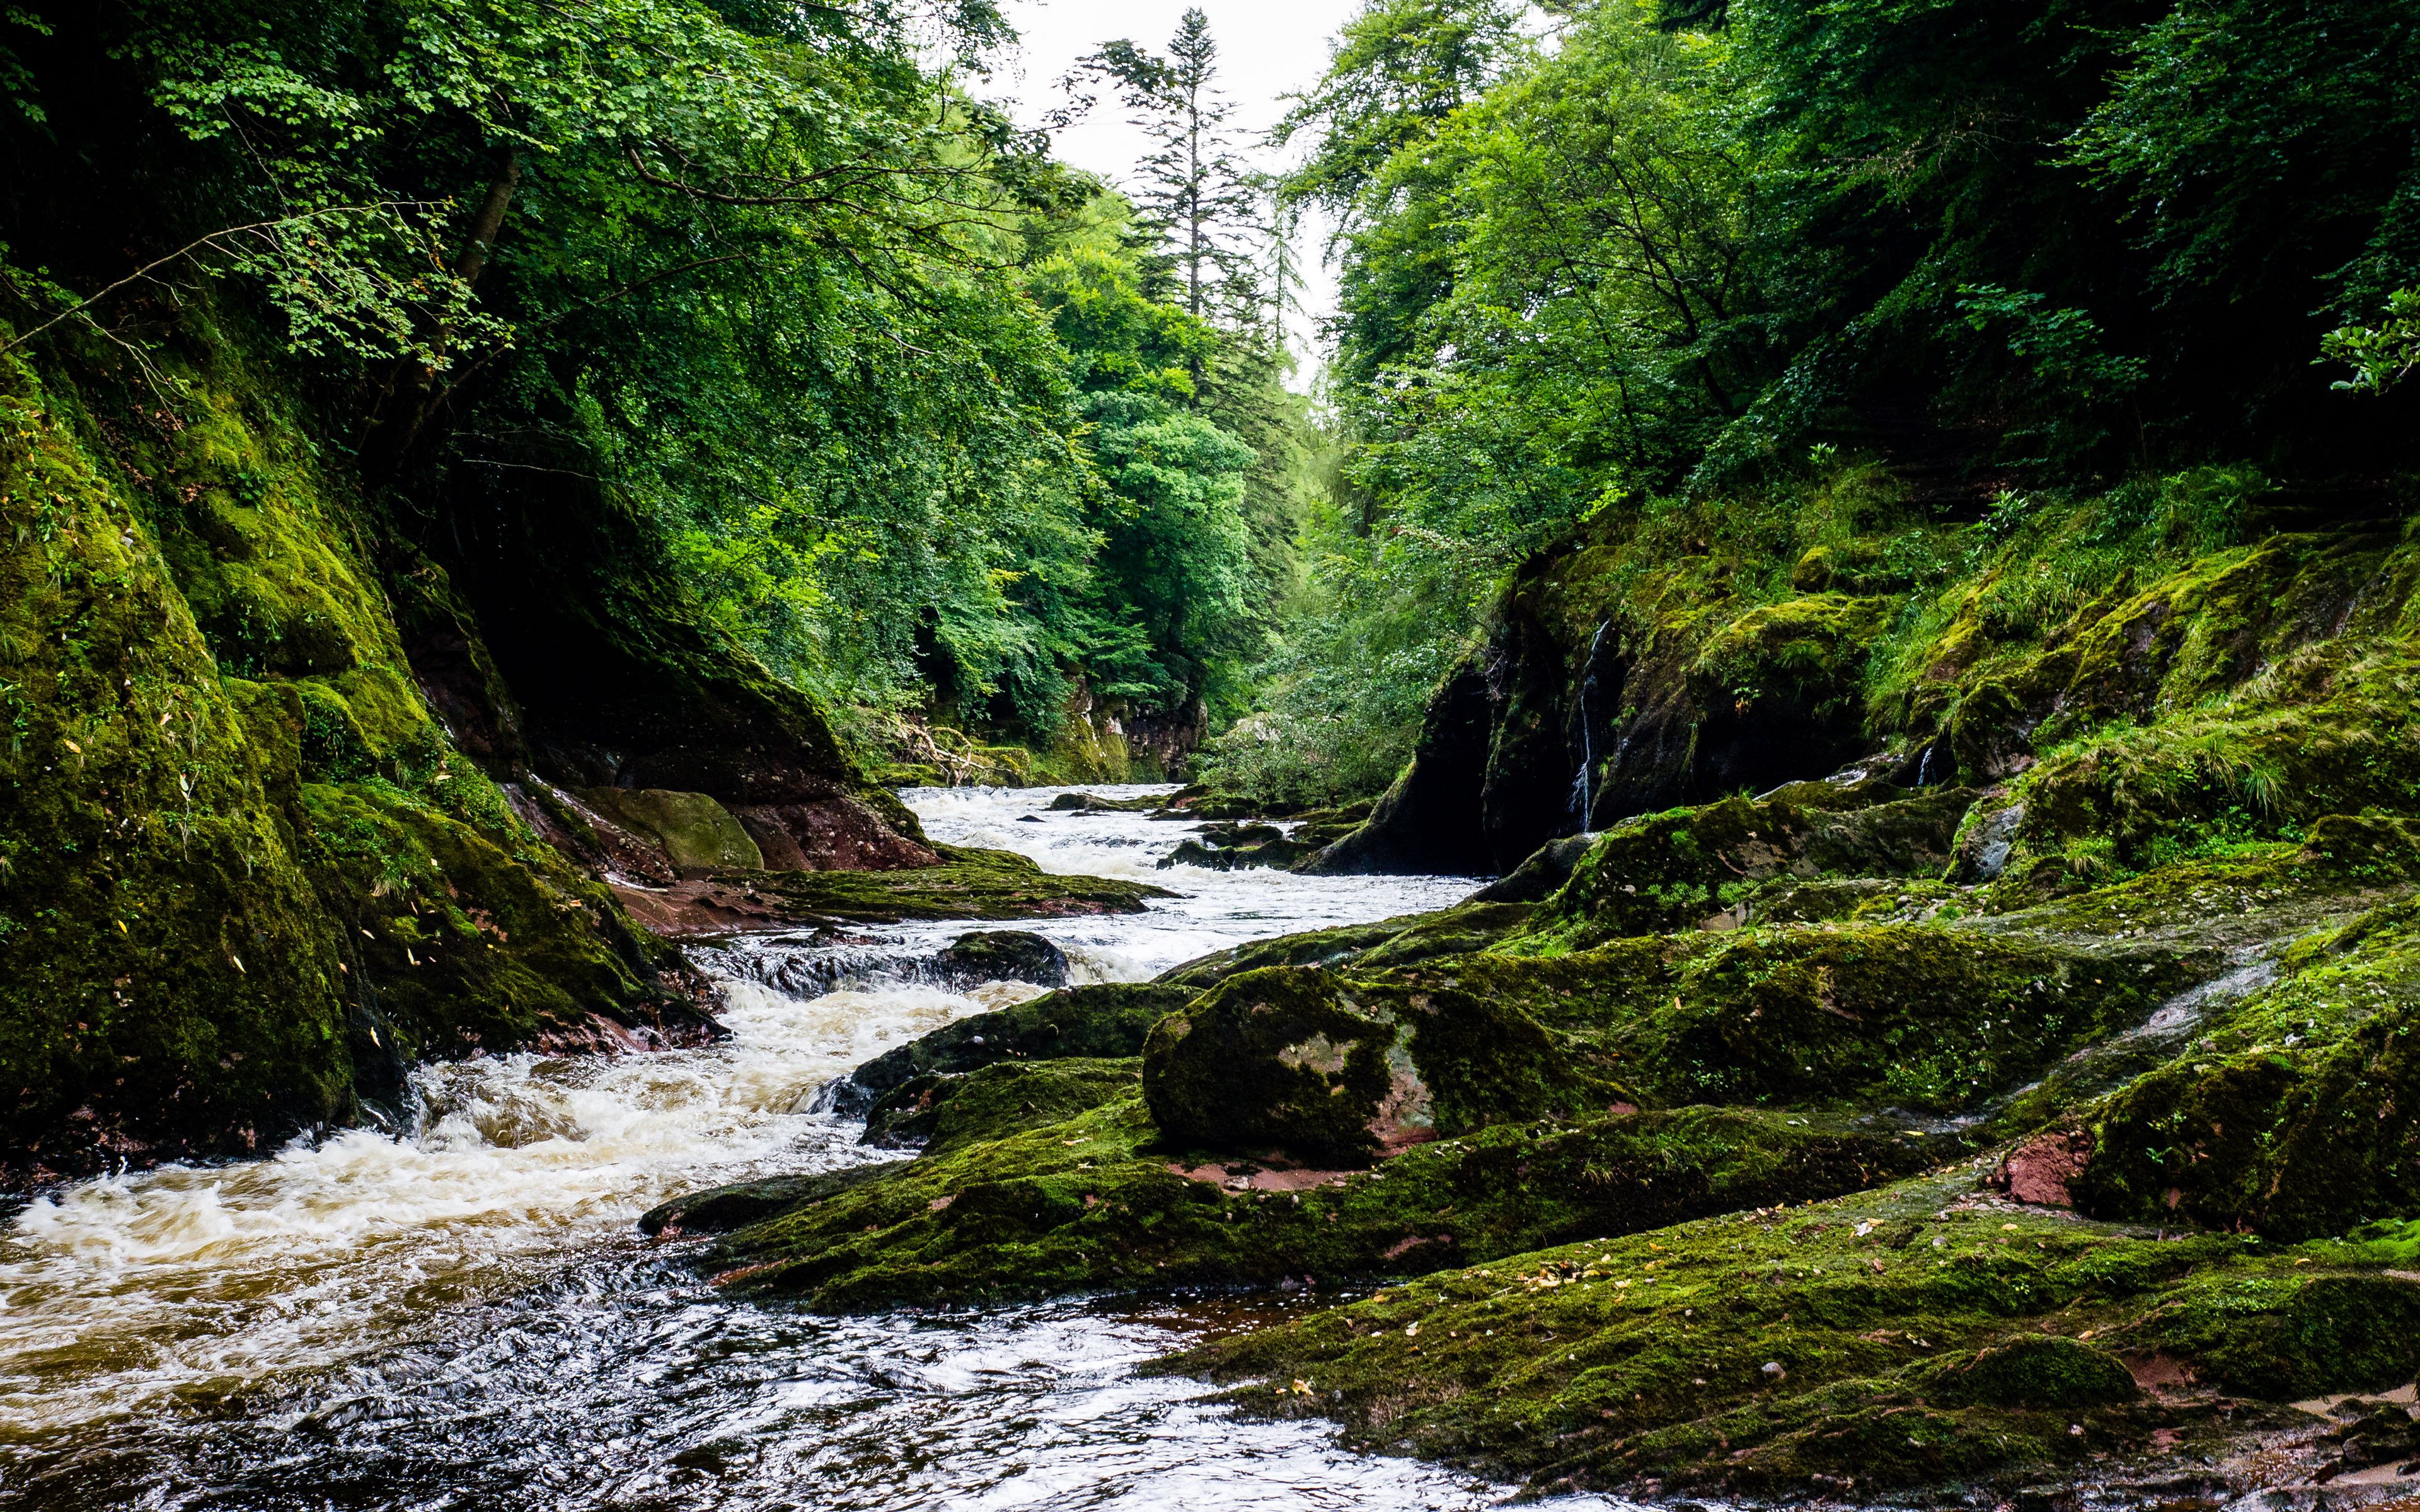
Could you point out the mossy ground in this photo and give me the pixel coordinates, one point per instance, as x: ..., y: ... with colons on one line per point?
x: 1841, y: 1031
x: 1913, y: 1336
x: 1101, y: 1201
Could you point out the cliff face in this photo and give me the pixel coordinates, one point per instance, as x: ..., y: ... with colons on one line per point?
x: 1676, y: 657
x: 278, y: 776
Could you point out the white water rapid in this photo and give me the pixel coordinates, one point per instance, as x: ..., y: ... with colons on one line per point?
x: 463, y: 1317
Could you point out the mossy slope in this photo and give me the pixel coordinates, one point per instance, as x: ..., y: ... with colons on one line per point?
x: 242, y: 866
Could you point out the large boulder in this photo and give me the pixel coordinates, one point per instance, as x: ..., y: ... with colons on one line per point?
x: 1294, y: 1060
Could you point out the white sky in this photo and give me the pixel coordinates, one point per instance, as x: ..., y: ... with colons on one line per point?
x: 1265, y: 49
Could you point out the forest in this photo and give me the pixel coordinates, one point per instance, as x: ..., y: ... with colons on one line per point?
x: 684, y: 726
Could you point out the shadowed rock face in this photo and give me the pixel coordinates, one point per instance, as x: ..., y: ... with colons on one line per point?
x: 1430, y: 821
x: 697, y: 834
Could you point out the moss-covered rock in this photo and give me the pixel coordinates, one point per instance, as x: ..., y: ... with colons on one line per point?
x: 1002, y: 955
x: 1390, y: 942
x: 1698, y: 867
x: 1293, y: 1059
x: 720, y: 1210
x: 1103, y: 1200
x: 220, y: 772
x: 1909, y: 1336
x: 2037, y: 1370
x: 943, y: 1111
x: 2293, y: 1112
x: 1103, y: 1021
x: 697, y: 834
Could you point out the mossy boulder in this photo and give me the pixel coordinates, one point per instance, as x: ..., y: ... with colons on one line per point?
x: 1283, y: 1059
x: 1107, y: 1020
x: 1004, y: 956
x: 943, y: 1111
x: 1295, y: 1059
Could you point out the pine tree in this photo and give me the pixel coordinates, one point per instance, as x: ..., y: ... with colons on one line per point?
x: 1194, y: 192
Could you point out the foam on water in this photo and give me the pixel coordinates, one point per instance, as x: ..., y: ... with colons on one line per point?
x: 460, y: 1314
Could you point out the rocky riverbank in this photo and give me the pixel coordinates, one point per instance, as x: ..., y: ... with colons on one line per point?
x: 2025, y: 1101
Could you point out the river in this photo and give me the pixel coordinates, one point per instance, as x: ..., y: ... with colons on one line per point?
x: 461, y: 1315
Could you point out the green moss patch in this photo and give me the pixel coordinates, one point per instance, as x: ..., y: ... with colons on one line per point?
x: 1907, y: 1336
x: 1102, y: 1201
x: 945, y: 1112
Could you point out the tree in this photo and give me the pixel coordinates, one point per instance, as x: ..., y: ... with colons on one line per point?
x: 1194, y: 191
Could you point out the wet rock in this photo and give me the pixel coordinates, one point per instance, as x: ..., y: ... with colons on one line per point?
x: 1105, y: 1020
x: 1004, y: 956
x: 1095, y: 802
x: 1541, y: 876
x: 943, y: 1111
x: 834, y: 834
x: 721, y: 1210
x: 1228, y: 847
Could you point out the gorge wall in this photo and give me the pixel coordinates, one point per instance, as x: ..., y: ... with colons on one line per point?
x: 291, y: 761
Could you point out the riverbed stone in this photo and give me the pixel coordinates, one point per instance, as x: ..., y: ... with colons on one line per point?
x: 1004, y: 956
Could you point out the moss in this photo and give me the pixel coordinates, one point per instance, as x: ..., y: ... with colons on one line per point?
x: 1894, y: 1339
x: 207, y: 703
x: 1099, y: 1201
x: 697, y: 834
x: 1107, y: 1020
x: 947, y: 1111
x: 1391, y: 942
x: 1691, y: 867
x: 1280, y: 1059
x: 970, y: 884
x: 453, y: 943
x: 1806, y: 652
x: 2037, y: 1370
x: 167, y: 983
x: 1293, y: 1059
x: 2287, y: 1113
x: 1938, y: 1018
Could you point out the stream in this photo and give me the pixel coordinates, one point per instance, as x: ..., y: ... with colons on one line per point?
x: 461, y: 1315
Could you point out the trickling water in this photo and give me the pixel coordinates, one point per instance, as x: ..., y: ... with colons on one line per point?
x: 1588, y: 728
x: 463, y: 1317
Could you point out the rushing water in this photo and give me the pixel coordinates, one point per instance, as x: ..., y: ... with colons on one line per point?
x: 463, y: 1317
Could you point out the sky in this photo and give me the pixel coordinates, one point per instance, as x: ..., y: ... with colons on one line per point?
x: 1267, y: 48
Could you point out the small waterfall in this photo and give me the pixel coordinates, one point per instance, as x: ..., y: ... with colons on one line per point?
x: 1582, y: 798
